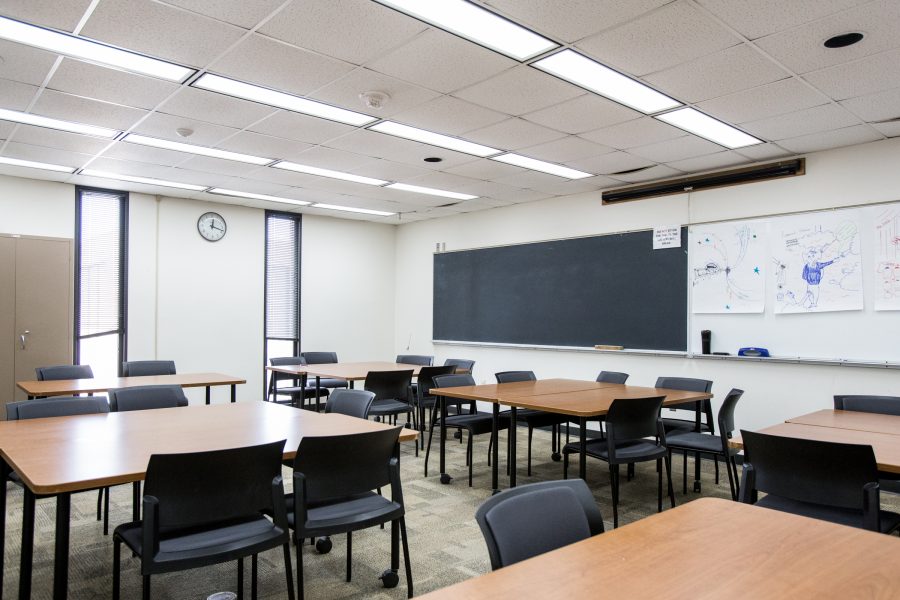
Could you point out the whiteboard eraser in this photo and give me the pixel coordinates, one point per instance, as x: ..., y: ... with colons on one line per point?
x: 607, y: 347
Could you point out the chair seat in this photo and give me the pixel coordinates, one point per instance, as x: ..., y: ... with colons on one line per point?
x: 682, y: 425
x: 388, y: 407
x: 630, y: 451
x: 540, y: 418
x: 843, y: 516
x: 359, y: 512
x: 306, y: 392
x: 477, y: 423
x: 326, y: 382
x: 691, y: 440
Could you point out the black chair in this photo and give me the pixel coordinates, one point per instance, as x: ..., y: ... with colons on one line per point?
x: 699, y: 408
x: 392, y: 394
x: 415, y: 359
x: 354, y: 403
x: 822, y: 480
x: 324, y: 358
x: 134, y: 368
x: 423, y: 399
x: 59, y: 372
x: 475, y: 423
x: 710, y: 443
x: 204, y: 508
x: 883, y: 405
x: 612, y: 377
x: 146, y: 397
x: 532, y: 519
x: 629, y: 423
x: 334, y: 479
x: 535, y: 418
x: 298, y: 391
x: 462, y: 365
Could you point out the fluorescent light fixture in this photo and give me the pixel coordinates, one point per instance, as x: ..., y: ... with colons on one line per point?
x: 477, y: 24
x: 591, y: 75
x: 35, y: 165
x: 144, y: 180
x: 248, y: 91
x: 39, y: 121
x: 192, y: 149
x: 430, y: 191
x: 435, y: 139
x: 539, y: 165
x: 291, y: 166
x: 89, y: 50
x: 364, y: 211
x: 694, y: 121
x: 238, y: 194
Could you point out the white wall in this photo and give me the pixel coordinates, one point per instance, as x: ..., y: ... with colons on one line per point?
x: 36, y: 207
x: 774, y: 392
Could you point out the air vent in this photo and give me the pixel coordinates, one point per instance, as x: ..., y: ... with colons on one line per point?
x: 630, y: 171
x: 775, y: 170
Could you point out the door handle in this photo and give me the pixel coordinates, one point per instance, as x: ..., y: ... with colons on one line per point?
x: 22, y: 338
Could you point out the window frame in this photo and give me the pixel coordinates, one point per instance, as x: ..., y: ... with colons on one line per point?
x: 297, y: 219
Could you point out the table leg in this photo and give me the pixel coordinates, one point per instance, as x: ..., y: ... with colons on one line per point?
x: 582, y: 455
x: 207, y: 394
x: 4, y: 477
x: 27, y: 556
x: 495, y: 437
x: 512, y: 446
x: 444, y: 477
x: 233, y: 393
x: 350, y: 383
x: 318, y: 391
x: 61, y: 555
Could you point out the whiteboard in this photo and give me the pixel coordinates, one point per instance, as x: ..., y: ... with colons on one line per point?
x: 870, y: 334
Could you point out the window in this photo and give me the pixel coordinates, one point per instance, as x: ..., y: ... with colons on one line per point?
x: 282, y: 321
x: 101, y: 259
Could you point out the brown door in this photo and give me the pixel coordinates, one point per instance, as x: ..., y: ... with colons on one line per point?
x: 7, y: 320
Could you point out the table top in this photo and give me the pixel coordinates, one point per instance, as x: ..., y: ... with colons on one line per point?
x: 61, y: 454
x: 886, y: 446
x: 354, y: 371
x: 64, y: 387
x: 494, y: 392
x: 707, y: 548
x: 851, y: 419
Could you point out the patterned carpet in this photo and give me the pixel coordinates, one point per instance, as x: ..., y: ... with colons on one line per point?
x: 445, y: 543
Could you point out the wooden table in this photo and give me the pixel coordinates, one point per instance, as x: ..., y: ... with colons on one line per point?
x: 578, y: 399
x: 61, y: 455
x: 708, y: 548
x: 67, y: 387
x: 851, y: 419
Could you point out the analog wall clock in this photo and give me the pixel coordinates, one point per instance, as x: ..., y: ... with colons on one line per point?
x: 211, y: 226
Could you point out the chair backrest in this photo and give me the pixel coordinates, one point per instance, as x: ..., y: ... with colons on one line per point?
x: 135, y: 368
x: 512, y: 376
x: 810, y: 470
x: 282, y: 361
x: 319, y: 358
x: 633, y: 418
x: 389, y: 385
x: 462, y: 365
x: 56, y: 373
x: 528, y: 520
x: 56, y: 406
x: 339, y: 466
x: 415, y: 359
x: 885, y: 405
x: 456, y: 380
x: 726, y: 412
x: 146, y: 397
x: 612, y: 377
x: 355, y: 403
x: 689, y: 384
x: 195, y: 489
x: 425, y: 381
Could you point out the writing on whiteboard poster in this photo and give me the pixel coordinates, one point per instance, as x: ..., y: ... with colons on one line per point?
x: 887, y: 259
x: 728, y: 263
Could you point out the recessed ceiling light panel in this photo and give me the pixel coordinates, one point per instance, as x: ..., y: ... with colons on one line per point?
x: 435, y: 139
x: 430, y: 191
x: 192, y: 149
x: 89, y: 50
x: 291, y: 166
x: 237, y: 194
x: 39, y: 121
x: 598, y: 78
x: 144, y: 180
x: 35, y: 165
x: 540, y: 165
x: 694, y: 121
x: 474, y: 23
x: 364, y: 211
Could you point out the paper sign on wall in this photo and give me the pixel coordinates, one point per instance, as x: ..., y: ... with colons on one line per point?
x: 666, y: 237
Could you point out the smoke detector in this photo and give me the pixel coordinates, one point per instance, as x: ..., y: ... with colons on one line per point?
x: 375, y: 100
x: 184, y: 132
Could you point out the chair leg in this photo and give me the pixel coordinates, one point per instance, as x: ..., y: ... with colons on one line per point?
x: 565, y: 465
x: 100, y: 503
x: 406, y: 561
x: 395, y: 546
x: 659, y: 485
x: 105, y: 492
x: 254, y: 576
x: 469, y: 457
x: 430, y: 437
x: 614, y: 481
x: 684, y: 473
x: 696, y: 471
x: 145, y: 588
x: 136, y: 501
x: 629, y: 472
x: 300, y: 594
x: 716, y: 463
x: 530, y: 433
x: 669, y: 479
x: 117, y: 566
x: 240, y: 578
x: 730, y: 477
x: 287, y: 570
x: 349, y: 554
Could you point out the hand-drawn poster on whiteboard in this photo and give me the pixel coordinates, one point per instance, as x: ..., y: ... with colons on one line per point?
x: 817, y: 261
x: 728, y: 267
x: 887, y: 258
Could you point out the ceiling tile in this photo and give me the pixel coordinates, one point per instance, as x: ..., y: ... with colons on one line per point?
x: 389, y: 170
x: 485, y: 169
x: 345, y: 93
x: 303, y: 128
x: 571, y: 20
x: 215, y: 108
x: 441, y: 61
x: 848, y: 136
x: 770, y: 100
x: 45, y: 155
x: 674, y: 34
x: 265, y: 146
x: 110, y: 85
x: 503, y: 193
x: 24, y: 64
x: 795, y: 124
x: 6, y: 129
x: 146, y: 154
x: 161, y: 31
x: 630, y: 134
x: 449, y: 115
x: 609, y: 164
x: 242, y: 14
x: 199, y: 177
x: 531, y: 179
x: 443, y: 181
x: 84, y: 110
x: 519, y: 91
x: 127, y: 167
x: 15, y: 95
x: 865, y: 76
x: 164, y: 126
x: 731, y: 70
x: 63, y: 140
x: 219, y: 166
x: 762, y: 17
x: 891, y: 129
x: 565, y: 187
x: 513, y: 134
x: 801, y: 50
x: 651, y: 174
x: 397, y: 149
x: 329, y: 158
x: 46, y: 13
x: 875, y: 107
x: 270, y: 63
x: 676, y: 149
x: 763, y: 151
x: 709, y: 162
x: 367, y: 29
x: 582, y: 114
x: 565, y: 149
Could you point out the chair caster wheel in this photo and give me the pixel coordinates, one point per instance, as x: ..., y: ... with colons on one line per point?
x: 323, y: 545
x: 556, y: 456
x: 445, y: 479
x: 457, y: 435
x: 389, y: 578
x: 697, y: 487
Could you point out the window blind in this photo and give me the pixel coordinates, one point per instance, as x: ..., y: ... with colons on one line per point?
x: 282, y: 277
x: 100, y: 263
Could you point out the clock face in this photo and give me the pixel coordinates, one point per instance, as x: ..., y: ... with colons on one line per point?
x: 211, y: 226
